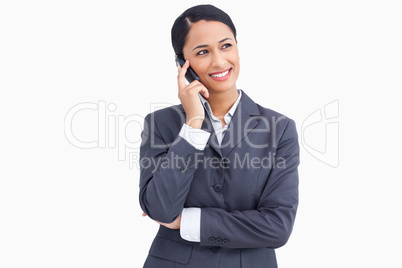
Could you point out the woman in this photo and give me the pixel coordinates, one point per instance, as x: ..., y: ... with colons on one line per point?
x: 218, y: 172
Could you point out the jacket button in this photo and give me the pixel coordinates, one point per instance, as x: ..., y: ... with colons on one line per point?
x: 218, y: 188
x: 225, y: 241
x: 224, y: 162
x: 218, y: 240
x: 212, y: 239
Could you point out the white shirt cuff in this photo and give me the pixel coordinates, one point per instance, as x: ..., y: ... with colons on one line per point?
x: 195, y: 136
x: 190, y: 225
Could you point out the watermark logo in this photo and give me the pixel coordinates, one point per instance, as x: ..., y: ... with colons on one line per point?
x: 320, y: 134
x: 114, y: 131
x: 319, y: 131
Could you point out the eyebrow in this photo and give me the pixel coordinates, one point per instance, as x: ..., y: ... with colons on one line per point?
x: 201, y: 46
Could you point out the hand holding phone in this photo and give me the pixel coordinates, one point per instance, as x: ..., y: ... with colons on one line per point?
x: 190, y: 74
x: 188, y: 95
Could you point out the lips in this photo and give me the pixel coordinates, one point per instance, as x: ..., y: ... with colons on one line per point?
x: 221, y: 76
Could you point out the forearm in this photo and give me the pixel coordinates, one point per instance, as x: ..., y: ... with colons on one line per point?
x: 268, y: 227
x: 167, y: 173
x: 167, y: 182
x: 271, y: 222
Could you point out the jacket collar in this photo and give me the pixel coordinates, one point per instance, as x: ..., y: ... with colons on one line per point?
x: 241, y: 124
x: 231, y: 110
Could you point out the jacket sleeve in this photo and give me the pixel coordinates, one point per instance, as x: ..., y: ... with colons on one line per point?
x: 271, y: 223
x: 166, y: 173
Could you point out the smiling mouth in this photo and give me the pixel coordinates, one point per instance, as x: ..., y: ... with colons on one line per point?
x: 221, y: 75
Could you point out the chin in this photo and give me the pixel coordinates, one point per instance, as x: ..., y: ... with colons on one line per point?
x: 221, y: 86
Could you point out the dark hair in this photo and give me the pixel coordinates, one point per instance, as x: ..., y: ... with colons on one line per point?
x: 183, y: 23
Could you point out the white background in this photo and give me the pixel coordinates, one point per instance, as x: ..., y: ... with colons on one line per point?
x: 65, y: 206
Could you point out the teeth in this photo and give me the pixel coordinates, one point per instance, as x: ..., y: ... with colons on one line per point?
x: 221, y: 74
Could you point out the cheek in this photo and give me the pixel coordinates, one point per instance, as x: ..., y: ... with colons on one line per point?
x: 236, y: 61
x: 236, y: 57
x: 199, y: 66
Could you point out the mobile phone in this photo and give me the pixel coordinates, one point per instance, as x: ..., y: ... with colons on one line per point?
x: 190, y: 74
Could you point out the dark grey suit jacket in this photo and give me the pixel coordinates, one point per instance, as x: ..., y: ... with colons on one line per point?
x: 247, y: 188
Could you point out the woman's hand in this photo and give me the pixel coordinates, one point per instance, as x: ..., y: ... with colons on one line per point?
x: 188, y: 95
x: 172, y: 225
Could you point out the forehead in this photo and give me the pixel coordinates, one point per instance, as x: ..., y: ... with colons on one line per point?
x: 207, y: 32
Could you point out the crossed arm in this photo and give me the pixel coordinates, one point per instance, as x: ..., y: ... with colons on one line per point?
x: 164, y: 191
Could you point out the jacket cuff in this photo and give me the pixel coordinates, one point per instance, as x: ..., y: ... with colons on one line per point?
x: 196, y: 137
x: 190, y: 224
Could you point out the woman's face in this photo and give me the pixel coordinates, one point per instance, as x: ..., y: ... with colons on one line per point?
x: 212, y: 51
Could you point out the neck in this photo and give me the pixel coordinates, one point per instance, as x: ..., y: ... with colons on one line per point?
x: 221, y: 102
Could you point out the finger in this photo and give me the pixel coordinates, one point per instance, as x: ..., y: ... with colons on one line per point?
x: 205, y: 92
x: 196, y: 85
x: 143, y: 214
x: 182, y: 75
x: 185, y: 66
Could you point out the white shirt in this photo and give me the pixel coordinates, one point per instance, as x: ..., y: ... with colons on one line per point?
x: 190, y: 225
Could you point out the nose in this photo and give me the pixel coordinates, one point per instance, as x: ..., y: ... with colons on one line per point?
x: 218, y: 60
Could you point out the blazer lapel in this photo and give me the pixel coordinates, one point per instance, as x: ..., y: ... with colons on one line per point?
x: 213, y: 140
x: 241, y: 124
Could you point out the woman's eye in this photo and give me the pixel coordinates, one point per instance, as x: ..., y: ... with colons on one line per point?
x: 226, y: 45
x: 202, y: 52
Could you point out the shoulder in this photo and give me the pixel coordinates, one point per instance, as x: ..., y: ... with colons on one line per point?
x: 173, y: 112
x: 274, y: 118
x: 282, y: 129
x: 166, y: 121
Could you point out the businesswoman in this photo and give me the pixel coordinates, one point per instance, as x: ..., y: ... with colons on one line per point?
x: 218, y: 171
